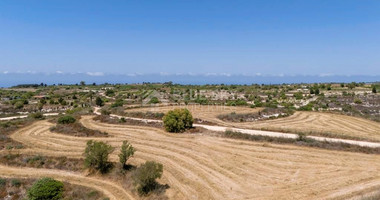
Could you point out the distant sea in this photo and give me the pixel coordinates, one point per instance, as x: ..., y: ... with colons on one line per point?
x: 12, y: 79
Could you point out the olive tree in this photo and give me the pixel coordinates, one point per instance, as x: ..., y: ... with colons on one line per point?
x: 145, y: 176
x: 126, y: 151
x: 96, y: 156
x: 178, y: 120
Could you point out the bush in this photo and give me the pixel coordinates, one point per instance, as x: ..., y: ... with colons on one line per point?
x: 105, y: 112
x: 19, y: 105
x: 99, y: 101
x: 3, y: 182
x: 16, y: 182
x: 154, y: 100
x: 37, y: 115
x: 110, y: 93
x: 118, y: 103
x: 68, y: 119
x: 46, y: 189
x: 96, y: 156
x: 146, y: 175
x: 298, y: 95
x: 178, y: 120
x: 238, y: 102
x: 127, y: 151
x: 357, y: 101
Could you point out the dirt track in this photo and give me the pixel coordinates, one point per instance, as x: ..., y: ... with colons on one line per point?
x: 203, y: 167
x: 318, y: 122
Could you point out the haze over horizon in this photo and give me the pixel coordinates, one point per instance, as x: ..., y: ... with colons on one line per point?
x: 224, y: 39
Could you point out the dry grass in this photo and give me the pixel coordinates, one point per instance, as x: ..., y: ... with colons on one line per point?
x: 205, y: 167
x: 313, y: 123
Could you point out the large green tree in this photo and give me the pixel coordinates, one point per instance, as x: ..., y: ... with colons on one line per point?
x: 178, y: 120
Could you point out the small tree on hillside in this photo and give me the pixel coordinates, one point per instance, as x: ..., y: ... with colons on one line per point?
x: 374, y: 89
x: 127, y: 151
x: 96, y: 156
x: 99, y: 101
x: 178, y: 120
x: 146, y: 175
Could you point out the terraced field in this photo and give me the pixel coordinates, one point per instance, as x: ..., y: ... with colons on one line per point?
x: 310, y: 122
x: 205, y: 167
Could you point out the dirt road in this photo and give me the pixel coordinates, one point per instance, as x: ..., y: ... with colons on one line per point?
x: 315, y: 123
x: 269, y: 133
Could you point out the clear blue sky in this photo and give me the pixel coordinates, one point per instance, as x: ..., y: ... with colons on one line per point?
x: 221, y: 36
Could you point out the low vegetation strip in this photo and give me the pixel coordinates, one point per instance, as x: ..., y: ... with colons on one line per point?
x: 19, y: 188
x: 271, y: 133
x: 77, y: 129
x: 265, y: 114
x: 302, y: 140
x: 109, y: 189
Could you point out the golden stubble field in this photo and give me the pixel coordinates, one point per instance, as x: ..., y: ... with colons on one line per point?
x: 309, y: 122
x: 206, y: 167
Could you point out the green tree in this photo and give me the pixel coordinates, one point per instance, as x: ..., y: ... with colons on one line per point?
x: 127, y: 151
x: 82, y: 83
x: 298, y: 95
x: 374, y: 89
x: 42, y: 101
x: 146, y: 175
x: 110, y: 92
x: 99, y: 101
x: 60, y: 100
x: 178, y: 120
x: 46, y: 189
x: 154, y: 100
x: 67, y: 119
x: 96, y: 156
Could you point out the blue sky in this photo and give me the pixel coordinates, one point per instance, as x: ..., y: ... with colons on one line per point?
x: 197, y: 37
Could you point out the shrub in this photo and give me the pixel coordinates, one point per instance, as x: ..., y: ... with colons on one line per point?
x: 96, y: 156
x: 127, y: 151
x: 110, y: 93
x: 357, y: 101
x: 99, y: 101
x: 374, y: 89
x: 154, y: 100
x: 237, y: 102
x: 105, y: 112
x: 19, y: 105
x: 298, y: 95
x: 145, y: 176
x: 68, y: 119
x: 46, y: 189
x: 2, y: 182
x: 16, y: 182
x: 118, y: 103
x: 178, y: 120
x: 37, y: 115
